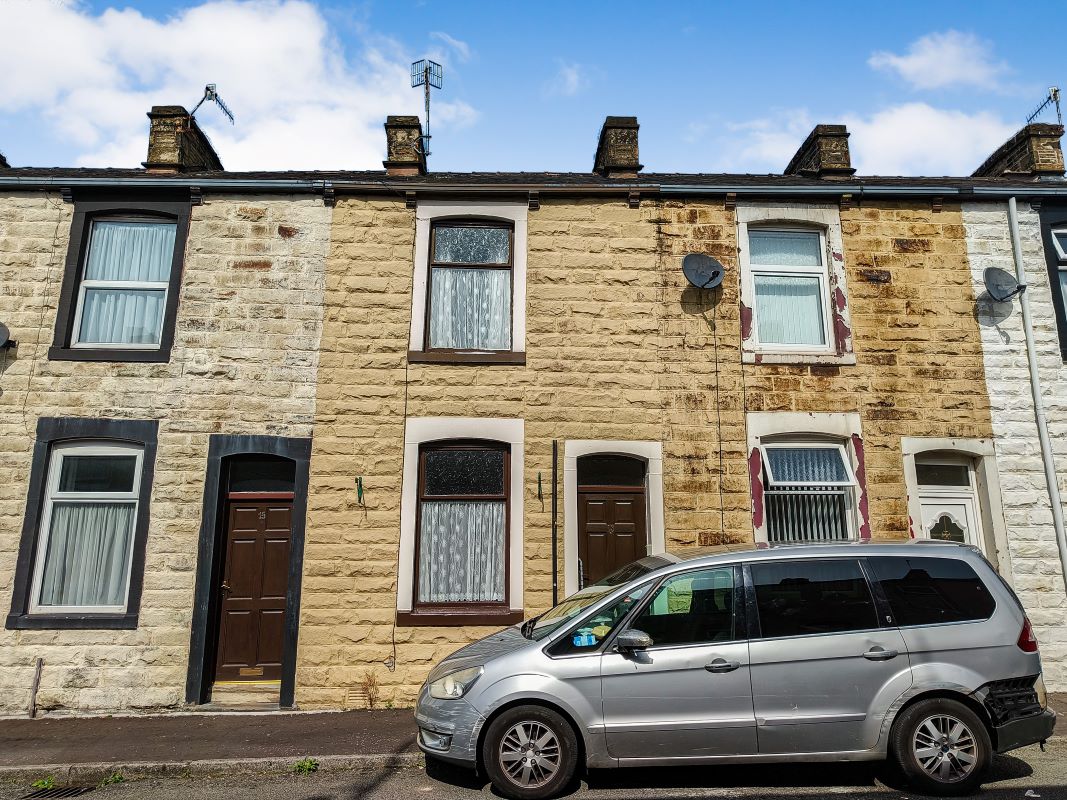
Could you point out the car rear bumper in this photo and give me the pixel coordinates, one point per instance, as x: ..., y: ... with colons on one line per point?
x: 1028, y: 730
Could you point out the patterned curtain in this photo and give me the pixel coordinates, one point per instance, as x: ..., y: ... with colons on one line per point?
x: 470, y: 309
x: 461, y: 552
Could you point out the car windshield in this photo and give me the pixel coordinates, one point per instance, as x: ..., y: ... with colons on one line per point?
x: 571, y: 607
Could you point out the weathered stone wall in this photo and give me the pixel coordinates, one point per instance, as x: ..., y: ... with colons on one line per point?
x: 244, y: 361
x: 1035, y: 562
x: 618, y: 347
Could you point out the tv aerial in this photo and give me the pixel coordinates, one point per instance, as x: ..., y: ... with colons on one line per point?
x: 1051, y: 99
x: 1001, y: 285
x: 212, y: 94
x: 702, y: 271
x: 430, y: 75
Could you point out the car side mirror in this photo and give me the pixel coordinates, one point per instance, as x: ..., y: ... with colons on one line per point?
x: 633, y: 639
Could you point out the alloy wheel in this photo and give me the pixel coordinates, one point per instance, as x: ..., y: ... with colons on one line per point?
x: 945, y: 748
x: 529, y: 754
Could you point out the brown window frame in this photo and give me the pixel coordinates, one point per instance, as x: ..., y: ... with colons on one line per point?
x: 450, y: 352
x: 473, y: 613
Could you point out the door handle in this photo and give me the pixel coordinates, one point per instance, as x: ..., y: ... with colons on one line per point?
x: 225, y: 587
x: 720, y: 665
x: 879, y: 654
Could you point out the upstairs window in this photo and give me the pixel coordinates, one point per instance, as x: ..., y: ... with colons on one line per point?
x: 790, y: 286
x: 86, y: 543
x: 470, y: 287
x: 121, y: 281
x: 1059, y: 244
x: 123, y: 292
x: 809, y: 492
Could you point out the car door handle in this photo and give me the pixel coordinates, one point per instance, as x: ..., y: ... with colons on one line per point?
x: 879, y: 654
x: 722, y: 665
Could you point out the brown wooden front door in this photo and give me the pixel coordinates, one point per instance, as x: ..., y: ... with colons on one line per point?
x: 255, y: 580
x: 611, y: 531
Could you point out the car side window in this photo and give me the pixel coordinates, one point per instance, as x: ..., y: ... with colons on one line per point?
x: 801, y: 598
x: 929, y: 591
x: 692, y: 608
x: 592, y: 631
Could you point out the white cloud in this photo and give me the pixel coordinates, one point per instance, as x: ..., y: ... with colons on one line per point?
x: 940, y: 60
x: 570, y: 79
x: 917, y: 139
x: 300, y: 101
x: 460, y: 48
x: 906, y: 139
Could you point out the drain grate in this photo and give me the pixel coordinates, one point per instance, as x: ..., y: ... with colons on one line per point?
x: 59, y: 791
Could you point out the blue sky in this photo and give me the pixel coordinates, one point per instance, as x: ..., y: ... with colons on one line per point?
x: 924, y: 88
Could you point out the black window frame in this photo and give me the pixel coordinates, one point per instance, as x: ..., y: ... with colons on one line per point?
x: 1052, y: 217
x: 86, y: 211
x: 52, y: 431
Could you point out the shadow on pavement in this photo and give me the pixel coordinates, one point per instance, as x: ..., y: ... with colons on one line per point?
x: 876, y: 777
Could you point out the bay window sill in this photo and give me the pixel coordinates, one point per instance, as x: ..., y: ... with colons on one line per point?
x: 802, y: 359
x: 460, y: 618
x: 447, y: 357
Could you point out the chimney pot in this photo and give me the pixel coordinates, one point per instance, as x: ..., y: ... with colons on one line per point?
x: 1033, y: 152
x: 176, y: 143
x: 403, y: 140
x: 617, y: 152
x: 824, y: 154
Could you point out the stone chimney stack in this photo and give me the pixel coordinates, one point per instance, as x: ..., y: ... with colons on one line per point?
x: 1033, y: 152
x: 403, y: 141
x: 824, y: 154
x: 176, y: 143
x: 616, y: 152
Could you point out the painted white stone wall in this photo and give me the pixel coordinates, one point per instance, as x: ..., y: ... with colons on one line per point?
x: 1027, y: 510
x: 244, y: 361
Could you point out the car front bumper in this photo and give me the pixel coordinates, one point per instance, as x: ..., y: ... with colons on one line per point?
x: 1024, y: 731
x: 448, y: 729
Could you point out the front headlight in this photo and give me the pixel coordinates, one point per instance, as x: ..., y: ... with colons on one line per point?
x: 454, y: 684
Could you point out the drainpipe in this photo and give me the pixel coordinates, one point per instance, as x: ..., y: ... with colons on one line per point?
x: 1035, y: 388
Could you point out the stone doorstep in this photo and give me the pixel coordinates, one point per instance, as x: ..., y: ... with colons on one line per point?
x: 93, y: 774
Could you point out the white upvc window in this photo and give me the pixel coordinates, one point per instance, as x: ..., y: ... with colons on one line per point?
x: 122, y: 296
x: 790, y: 287
x: 85, y: 546
x: 809, y: 491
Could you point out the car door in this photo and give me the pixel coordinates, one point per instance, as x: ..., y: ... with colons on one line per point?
x: 824, y: 666
x: 688, y: 695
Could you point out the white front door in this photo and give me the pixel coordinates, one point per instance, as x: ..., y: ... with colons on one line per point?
x: 949, y: 500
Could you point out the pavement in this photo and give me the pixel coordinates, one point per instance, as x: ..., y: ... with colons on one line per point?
x: 1021, y: 775
x: 215, y: 746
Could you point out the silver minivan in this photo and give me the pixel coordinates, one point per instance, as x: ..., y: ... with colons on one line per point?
x: 919, y: 653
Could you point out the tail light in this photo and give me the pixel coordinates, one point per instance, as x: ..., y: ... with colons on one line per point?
x: 1027, y: 641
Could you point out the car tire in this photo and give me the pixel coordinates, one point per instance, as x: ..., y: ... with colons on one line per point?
x: 941, y: 747
x: 541, y: 736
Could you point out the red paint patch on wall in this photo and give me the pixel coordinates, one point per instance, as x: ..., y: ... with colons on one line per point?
x: 746, y: 322
x: 842, y: 332
x: 287, y: 231
x: 911, y: 527
x: 861, y: 479
x: 755, y: 473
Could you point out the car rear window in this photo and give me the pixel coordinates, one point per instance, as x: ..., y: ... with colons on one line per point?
x: 929, y: 591
x: 801, y: 598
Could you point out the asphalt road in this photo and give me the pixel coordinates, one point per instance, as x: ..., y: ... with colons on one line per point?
x: 1043, y: 775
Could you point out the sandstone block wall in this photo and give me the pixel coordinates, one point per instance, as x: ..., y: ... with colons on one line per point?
x: 1031, y: 538
x: 244, y: 361
x: 618, y: 347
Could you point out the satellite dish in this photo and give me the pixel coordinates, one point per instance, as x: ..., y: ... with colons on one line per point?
x: 1001, y: 285
x: 5, y: 338
x: 703, y: 271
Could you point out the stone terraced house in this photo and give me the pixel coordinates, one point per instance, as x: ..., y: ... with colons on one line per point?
x: 286, y: 439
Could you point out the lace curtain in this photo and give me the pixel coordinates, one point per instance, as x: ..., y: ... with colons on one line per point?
x: 461, y: 552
